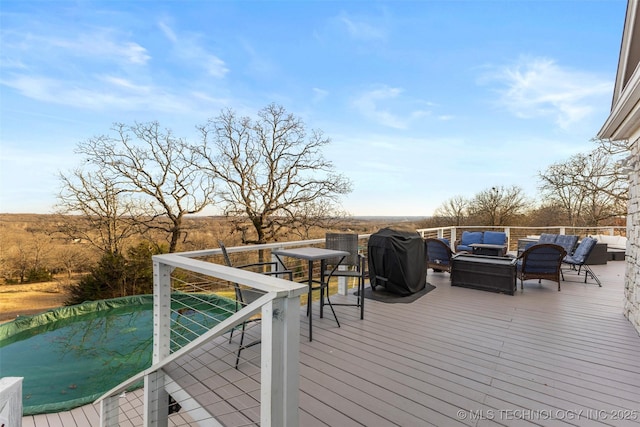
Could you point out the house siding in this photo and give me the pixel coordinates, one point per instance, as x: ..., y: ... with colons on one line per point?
x: 632, y: 276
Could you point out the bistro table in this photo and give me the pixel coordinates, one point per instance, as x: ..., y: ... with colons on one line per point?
x: 311, y: 255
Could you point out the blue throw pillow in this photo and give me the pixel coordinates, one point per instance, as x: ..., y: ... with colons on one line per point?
x: 471, y: 237
x: 495, y: 238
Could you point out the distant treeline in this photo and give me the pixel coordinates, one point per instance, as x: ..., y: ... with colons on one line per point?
x: 34, y: 248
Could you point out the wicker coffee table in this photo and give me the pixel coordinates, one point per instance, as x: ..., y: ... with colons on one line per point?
x: 487, y: 273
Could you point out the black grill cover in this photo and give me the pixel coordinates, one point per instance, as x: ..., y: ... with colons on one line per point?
x: 397, y: 261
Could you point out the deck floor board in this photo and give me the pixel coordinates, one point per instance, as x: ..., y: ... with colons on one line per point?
x: 455, y: 356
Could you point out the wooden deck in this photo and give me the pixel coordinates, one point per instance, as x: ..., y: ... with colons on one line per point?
x: 460, y: 356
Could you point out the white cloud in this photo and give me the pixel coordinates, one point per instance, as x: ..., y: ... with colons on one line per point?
x: 118, y: 94
x: 58, y: 68
x: 319, y: 94
x: 188, y: 49
x: 38, y: 88
x: 101, y: 44
x: 136, y: 53
x: 360, y: 29
x: 376, y: 105
x: 101, y: 69
x: 168, y: 32
x: 539, y: 87
x: 259, y: 65
x: 215, y: 66
x: 127, y: 84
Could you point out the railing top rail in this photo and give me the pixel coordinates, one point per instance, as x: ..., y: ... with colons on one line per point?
x: 277, y: 245
x: 282, y: 287
x: 516, y: 227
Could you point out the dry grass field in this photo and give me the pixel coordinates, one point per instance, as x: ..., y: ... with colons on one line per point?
x: 24, y: 299
x: 33, y: 239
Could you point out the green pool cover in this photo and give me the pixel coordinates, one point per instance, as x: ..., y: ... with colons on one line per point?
x: 72, y: 355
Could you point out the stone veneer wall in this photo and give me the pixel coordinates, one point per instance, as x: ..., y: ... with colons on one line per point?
x: 632, y: 277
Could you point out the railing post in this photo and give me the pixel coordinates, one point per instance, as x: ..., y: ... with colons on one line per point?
x: 342, y: 282
x: 278, y: 261
x: 161, y: 311
x: 279, y: 363
x: 454, y: 237
x: 110, y: 412
x: 507, y: 231
x: 11, y: 401
x: 156, y: 401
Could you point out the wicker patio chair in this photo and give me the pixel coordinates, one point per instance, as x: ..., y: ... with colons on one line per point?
x: 438, y: 255
x: 541, y: 261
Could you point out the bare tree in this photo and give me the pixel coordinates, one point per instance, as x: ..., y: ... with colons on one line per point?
x: 28, y: 258
x: 613, y: 148
x: 589, y: 187
x: 161, y: 172
x: 71, y: 259
x: 106, y: 211
x: 547, y: 214
x: 315, y: 215
x: 271, y: 170
x: 453, y: 209
x: 19, y: 261
x: 498, y: 205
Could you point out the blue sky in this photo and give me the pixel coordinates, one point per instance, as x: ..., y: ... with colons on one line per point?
x: 423, y: 100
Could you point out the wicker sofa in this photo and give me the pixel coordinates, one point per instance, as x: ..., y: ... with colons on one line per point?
x: 599, y: 255
x: 616, y: 246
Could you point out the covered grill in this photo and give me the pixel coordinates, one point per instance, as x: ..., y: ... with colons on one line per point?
x: 397, y: 261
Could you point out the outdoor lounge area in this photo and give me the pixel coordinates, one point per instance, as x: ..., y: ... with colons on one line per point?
x: 455, y: 356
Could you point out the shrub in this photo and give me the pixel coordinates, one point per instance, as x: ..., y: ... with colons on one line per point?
x: 36, y: 275
x: 116, y: 276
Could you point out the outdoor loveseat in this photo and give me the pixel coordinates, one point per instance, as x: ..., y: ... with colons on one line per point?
x: 481, y: 237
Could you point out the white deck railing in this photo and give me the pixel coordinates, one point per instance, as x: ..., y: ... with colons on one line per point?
x: 453, y: 233
x: 280, y: 308
x: 199, y: 271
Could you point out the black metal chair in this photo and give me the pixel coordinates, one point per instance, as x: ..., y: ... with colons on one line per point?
x: 354, y: 262
x: 245, y: 296
x: 541, y: 261
x: 438, y: 255
x: 578, y: 259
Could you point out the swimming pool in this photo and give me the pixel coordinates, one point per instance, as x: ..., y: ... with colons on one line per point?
x: 72, y: 355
